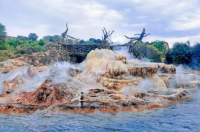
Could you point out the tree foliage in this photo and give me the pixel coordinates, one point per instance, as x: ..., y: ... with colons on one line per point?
x: 55, y: 37
x: 41, y: 42
x: 181, y: 53
x: 15, y: 48
x: 2, y: 33
x: 141, y: 50
x: 4, y: 46
x: 91, y: 41
x: 32, y: 36
x: 49, y: 38
x: 22, y: 37
x: 195, y: 62
x: 159, y: 45
x: 184, y: 54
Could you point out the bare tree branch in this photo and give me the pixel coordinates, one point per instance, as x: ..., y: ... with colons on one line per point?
x: 137, y: 34
x: 106, y: 34
x: 103, y: 32
x: 146, y: 35
x: 142, y: 35
x: 132, y: 38
x: 111, y: 33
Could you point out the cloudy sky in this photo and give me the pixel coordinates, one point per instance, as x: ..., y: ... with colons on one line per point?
x: 168, y: 20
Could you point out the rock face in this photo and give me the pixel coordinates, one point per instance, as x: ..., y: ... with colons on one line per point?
x: 12, y: 65
x: 21, y: 64
x: 61, y: 52
x: 113, y: 71
x: 166, y: 68
x: 12, y: 85
x: 47, y: 95
x: 107, y: 83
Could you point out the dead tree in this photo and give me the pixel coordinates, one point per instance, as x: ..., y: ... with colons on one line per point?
x: 141, y: 36
x: 64, y: 34
x: 71, y: 37
x: 106, y: 34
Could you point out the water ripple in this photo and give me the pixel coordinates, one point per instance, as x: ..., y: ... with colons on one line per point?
x: 182, y: 117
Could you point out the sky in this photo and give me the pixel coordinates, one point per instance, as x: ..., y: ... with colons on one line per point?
x: 167, y: 20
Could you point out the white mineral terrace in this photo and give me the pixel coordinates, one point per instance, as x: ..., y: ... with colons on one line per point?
x: 108, y: 82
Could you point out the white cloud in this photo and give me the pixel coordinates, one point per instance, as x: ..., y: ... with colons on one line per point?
x: 134, y: 25
x: 171, y: 40
x: 162, y: 18
x: 186, y: 21
x: 41, y: 30
x: 85, y: 18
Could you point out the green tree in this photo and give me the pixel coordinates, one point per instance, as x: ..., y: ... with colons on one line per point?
x: 141, y: 50
x: 98, y: 41
x: 41, y: 42
x: 181, y: 53
x: 14, y: 42
x: 92, y: 39
x: 55, y: 37
x: 32, y: 36
x: 22, y: 37
x: 82, y: 41
x: 181, y: 48
x: 51, y: 39
x: 2, y: 33
x: 47, y: 38
x: 195, y: 64
x: 159, y: 45
x: 196, y: 50
x: 4, y: 46
x: 95, y: 40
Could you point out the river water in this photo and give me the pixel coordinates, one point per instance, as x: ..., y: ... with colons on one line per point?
x: 181, y: 117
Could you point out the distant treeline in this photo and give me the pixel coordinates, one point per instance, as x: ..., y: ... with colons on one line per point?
x: 184, y: 54
x: 157, y: 51
x: 12, y: 47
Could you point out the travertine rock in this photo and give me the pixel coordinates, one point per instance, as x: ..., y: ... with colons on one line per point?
x: 12, y: 85
x: 109, y: 69
x: 108, y: 83
x: 46, y: 94
x: 11, y: 65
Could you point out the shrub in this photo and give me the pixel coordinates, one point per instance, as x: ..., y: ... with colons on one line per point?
x: 2, y: 33
x: 141, y: 50
x: 4, y: 46
x: 24, y: 38
x: 82, y: 42
x: 159, y: 45
x: 32, y: 36
x: 181, y: 53
x: 5, y: 55
x: 14, y: 42
x: 41, y: 42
